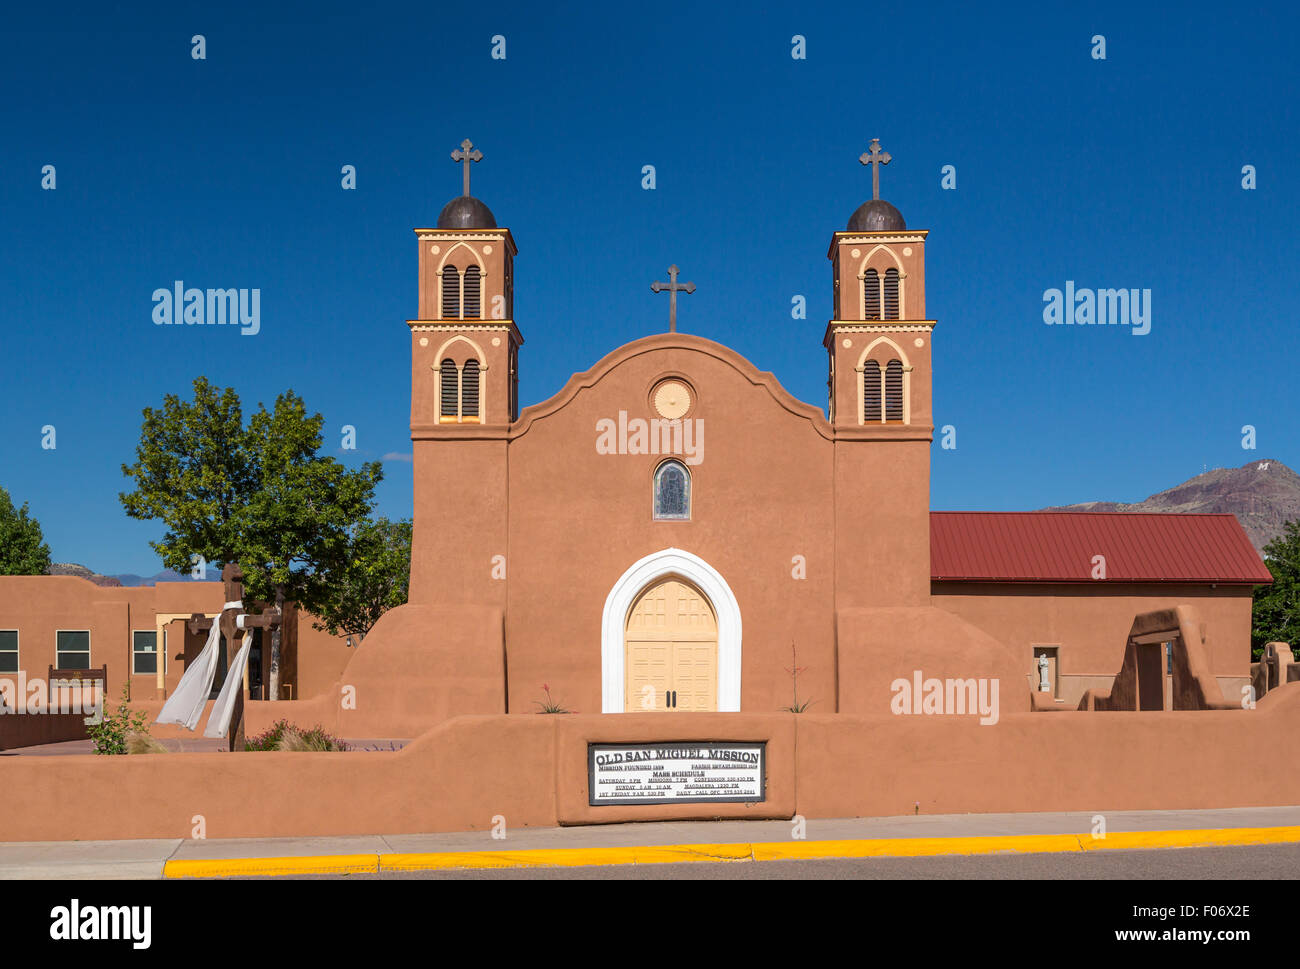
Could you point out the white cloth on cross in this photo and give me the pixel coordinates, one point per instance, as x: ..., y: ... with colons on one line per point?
x: 185, y: 706
x: 224, y: 708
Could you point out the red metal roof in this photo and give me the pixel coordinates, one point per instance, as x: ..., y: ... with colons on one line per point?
x: 1059, y: 546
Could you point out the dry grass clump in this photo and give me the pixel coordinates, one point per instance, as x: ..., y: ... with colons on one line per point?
x: 142, y: 743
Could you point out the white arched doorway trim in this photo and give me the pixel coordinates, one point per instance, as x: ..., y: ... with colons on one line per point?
x: 670, y: 561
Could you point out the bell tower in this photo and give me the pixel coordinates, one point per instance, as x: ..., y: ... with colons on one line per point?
x: 465, y: 345
x: 464, y: 397
x: 878, y: 346
x: 879, y: 338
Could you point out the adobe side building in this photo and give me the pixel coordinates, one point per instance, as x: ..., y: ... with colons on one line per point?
x: 660, y: 532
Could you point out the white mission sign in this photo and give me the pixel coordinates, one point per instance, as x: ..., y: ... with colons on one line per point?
x: 676, y: 773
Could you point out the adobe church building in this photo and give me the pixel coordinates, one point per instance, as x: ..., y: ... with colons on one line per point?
x: 660, y: 532
x: 673, y: 531
x: 665, y: 540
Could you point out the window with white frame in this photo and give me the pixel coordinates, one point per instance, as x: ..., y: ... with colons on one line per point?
x: 8, y: 650
x: 144, y: 651
x: 72, y: 649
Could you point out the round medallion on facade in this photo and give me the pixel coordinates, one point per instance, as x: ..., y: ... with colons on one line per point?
x: 672, y: 399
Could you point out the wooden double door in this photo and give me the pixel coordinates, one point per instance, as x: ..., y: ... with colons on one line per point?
x: 671, y: 650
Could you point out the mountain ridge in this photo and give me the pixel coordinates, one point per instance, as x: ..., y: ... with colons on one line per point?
x: 1263, y: 494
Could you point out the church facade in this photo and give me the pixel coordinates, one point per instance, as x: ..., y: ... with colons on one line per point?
x: 673, y: 531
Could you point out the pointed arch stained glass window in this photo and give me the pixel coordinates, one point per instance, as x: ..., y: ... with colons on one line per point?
x: 672, y: 497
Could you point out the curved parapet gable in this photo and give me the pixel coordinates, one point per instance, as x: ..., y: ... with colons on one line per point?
x: 664, y: 341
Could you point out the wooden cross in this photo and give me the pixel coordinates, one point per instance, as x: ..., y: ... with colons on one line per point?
x: 875, y: 158
x: 673, y: 288
x: 232, y: 578
x: 465, y: 154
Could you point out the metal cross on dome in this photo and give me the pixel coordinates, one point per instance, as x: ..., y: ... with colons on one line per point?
x: 673, y: 287
x: 875, y: 158
x: 465, y: 154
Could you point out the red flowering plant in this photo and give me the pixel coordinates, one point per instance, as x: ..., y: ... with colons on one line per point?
x: 550, y: 705
x: 794, y: 670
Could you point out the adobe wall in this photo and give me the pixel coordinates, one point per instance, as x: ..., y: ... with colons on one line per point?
x: 877, y: 647
x: 530, y: 769
x: 419, y: 666
x: 1090, y: 624
x: 320, y: 657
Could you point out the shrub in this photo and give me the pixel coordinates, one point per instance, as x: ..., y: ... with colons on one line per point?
x: 282, y: 735
x: 111, y: 733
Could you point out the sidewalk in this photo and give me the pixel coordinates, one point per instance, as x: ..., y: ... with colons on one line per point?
x: 646, y: 843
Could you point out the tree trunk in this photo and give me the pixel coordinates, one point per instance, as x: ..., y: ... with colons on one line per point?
x: 273, y: 680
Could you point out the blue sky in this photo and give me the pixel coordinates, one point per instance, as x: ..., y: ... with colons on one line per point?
x: 225, y: 172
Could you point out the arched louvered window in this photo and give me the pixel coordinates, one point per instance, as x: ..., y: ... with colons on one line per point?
x: 448, y: 391
x: 471, y: 294
x: 891, y: 294
x: 672, y: 500
x: 871, y: 295
x: 469, y: 390
x: 450, y: 293
x: 894, y: 391
x: 871, y: 391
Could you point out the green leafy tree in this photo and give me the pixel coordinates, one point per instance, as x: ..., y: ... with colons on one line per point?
x: 22, y: 546
x: 193, y: 471
x: 299, y: 519
x: 1276, y: 613
x: 261, y: 495
x: 371, y: 576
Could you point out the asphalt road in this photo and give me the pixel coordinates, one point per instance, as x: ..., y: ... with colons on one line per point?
x: 1276, y: 862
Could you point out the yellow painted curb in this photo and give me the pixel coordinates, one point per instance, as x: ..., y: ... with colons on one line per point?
x: 916, y: 847
x: 758, y: 851
x: 1203, y: 838
x: 245, y: 867
x: 565, y: 857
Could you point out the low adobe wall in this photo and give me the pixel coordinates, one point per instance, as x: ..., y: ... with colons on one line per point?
x: 419, y: 666
x: 530, y: 769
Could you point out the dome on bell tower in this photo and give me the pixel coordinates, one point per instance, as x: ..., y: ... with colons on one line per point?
x: 876, y: 215
x: 466, y: 212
